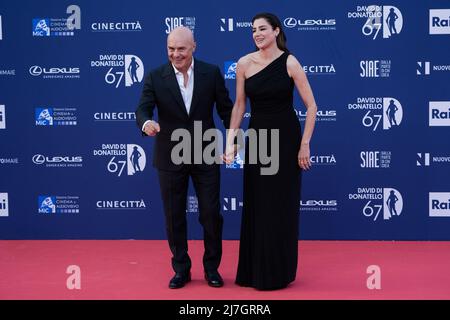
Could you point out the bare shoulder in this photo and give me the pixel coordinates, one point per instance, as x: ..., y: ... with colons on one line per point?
x: 293, y: 67
x: 246, y: 60
x: 292, y: 61
x: 244, y: 63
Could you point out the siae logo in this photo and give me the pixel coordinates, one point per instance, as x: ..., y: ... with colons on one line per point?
x: 375, y: 159
x: 375, y: 68
x: 192, y: 204
x: 174, y: 22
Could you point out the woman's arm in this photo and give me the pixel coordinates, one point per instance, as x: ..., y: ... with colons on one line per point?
x: 238, y: 110
x: 297, y: 73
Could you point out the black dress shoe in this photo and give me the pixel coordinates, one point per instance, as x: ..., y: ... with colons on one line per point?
x: 214, y: 279
x: 179, y: 280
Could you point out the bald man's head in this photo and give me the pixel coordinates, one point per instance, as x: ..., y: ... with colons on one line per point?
x: 181, y: 32
x: 180, y: 47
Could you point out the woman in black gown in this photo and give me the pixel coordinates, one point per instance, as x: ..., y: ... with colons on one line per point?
x: 269, y: 231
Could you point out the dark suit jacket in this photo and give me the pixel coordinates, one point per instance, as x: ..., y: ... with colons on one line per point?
x: 161, y: 90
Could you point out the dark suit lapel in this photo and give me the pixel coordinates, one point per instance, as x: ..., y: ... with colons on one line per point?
x: 199, y: 74
x: 172, y: 84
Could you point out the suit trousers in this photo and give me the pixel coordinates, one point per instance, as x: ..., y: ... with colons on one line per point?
x: 174, y: 188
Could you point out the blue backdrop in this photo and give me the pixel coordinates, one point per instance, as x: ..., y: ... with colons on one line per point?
x: 381, y: 151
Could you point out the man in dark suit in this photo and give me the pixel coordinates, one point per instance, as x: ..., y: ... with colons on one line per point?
x: 185, y: 91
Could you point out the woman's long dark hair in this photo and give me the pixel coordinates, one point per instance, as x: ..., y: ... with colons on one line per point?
x: 275, y: 23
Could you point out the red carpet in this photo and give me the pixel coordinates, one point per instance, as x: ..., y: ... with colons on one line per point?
x: 131, y: 269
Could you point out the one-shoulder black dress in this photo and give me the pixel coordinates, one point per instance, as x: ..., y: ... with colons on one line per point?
x: 268, y: 249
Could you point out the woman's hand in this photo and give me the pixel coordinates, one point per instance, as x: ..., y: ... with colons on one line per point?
x: 303, y: 157
x: 230, y: 153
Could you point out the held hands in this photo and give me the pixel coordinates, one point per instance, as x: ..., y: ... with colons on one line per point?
x: 152, y: 128
x: 303, y: 157
x: 230, y: 153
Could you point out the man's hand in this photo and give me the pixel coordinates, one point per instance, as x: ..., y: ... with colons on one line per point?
x: 230, y: 153
x: 152, y: 128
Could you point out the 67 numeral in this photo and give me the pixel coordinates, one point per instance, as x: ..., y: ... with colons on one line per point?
x: 369, y: 210
x: 368, y: 121
x: 113, y: 167
x: 111, y: 77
